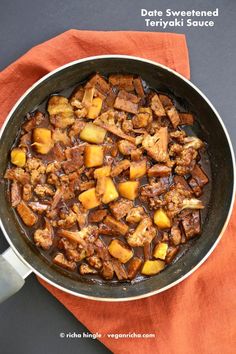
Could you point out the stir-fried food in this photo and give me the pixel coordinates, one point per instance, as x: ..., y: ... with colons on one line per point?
x: 106, y: 181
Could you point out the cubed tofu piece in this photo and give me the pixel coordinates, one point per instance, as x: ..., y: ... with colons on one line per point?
x: 95, y: 108
x: 127, y: 102
x: 133, y: 267
x: 157, y: 107
x: 129, y: 189
x: 115, y: 226
x: 120, y: 251
x: 42, y: 140
x: 152, y: 267
x: 89, y: 199
x: 18, y: 157
x: 93, y: 133
x: 102, y: 172
x: 160, y: 250
x: 93, y: 155
x: 138, y: 169
x: 110, y: 192
x: 161, y: 219
x: 26, y: 214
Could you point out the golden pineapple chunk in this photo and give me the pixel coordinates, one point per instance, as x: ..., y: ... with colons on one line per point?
x: 42, y: 140
x: 129, y: 189
x: 102, y: 172
x: 95, y: 108
x: 120, y: 250
x: 110, y: 193
x: 89, y: 199
x: 18, y: 157
x: 138, y: 169
x: 160, y: 250
x: 93, y: 155
x: 93, y: 133
x: 152, y: 267
x: 161, y: 219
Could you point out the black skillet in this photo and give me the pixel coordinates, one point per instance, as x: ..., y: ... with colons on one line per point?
x: 22, y: 258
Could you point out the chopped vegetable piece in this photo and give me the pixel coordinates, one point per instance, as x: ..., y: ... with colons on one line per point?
x: 194, y: 142
x: 199, y: 175
x: 89, y: 199
x: 157, y: 107
x: 172, y: 252
x: 60, y: 111
x: 156, y: 145
x: 95, y: 108
x: 42, y: 140
x: 186, y: 118
x: 125, y: 147
x: 18, y: 157
x: 126, y: 102
x: 159, y: 170
x: 120, y: 250
x: 115, y: 225
x: 192, y: 203
x: 61, y: 261
x: 173, y: 116
x: 88, y: 97
x: 110, y: 192
x: 112, y: 128
x: 119, y: 269
x: 152, y: 267
x: 44, y: 237
x: 129, y: 189
x: 93, y: 133
x: 138, y: 169
x: 102, y: 172
x: 144, y: 233
x: 135, y: 214
x: 93, y: 155
x: 161, y: 219
x: 86, y: 269
x: 160, y: 251
x: 26, y: 214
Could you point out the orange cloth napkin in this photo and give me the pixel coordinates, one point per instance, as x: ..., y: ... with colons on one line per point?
x: 199, y: 314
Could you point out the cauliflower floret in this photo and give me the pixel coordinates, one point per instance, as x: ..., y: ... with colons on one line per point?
x: 43, y: 237
x: 68, y: 220
x: 193, y: 142
x: 178, y: 135
x: 178, y: 199
x: 185, y: 161
x: 61, y: 260
x: 156, y: 145
x: 135, y: 214
x: 43, y: 189
x: 144, y: 233
x: 86, y: 269
x: 61, y: 136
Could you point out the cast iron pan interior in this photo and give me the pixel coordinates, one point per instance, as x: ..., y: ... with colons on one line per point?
x: 209, y: 129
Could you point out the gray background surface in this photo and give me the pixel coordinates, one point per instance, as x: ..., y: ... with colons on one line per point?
x: 30, y: 322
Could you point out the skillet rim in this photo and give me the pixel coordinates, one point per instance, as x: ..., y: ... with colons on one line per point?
x: 154, y: 292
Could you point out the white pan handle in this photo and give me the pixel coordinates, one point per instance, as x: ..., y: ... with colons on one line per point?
x: 12, y: 274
